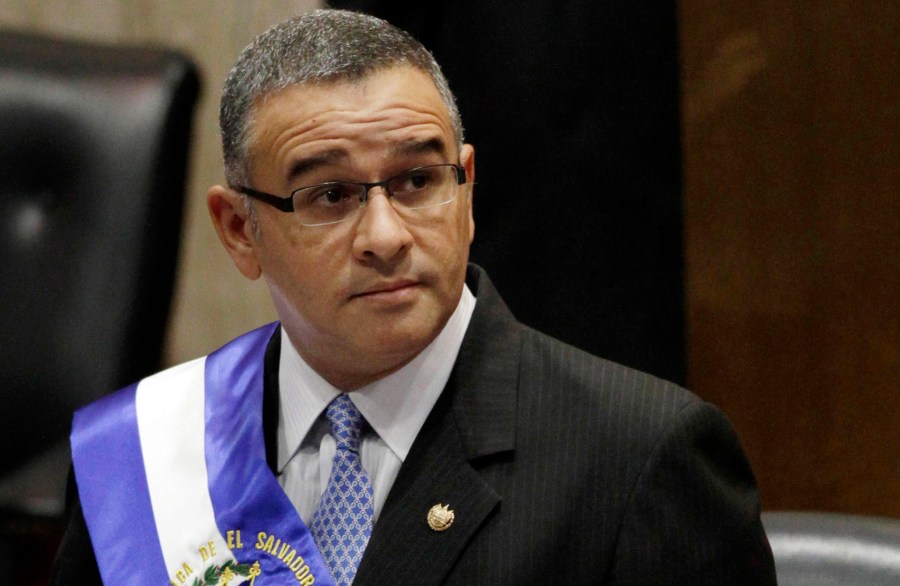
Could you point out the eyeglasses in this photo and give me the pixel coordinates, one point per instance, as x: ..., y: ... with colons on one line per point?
x: 338, y: 201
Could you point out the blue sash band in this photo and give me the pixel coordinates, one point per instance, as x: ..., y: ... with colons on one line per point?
x: 106, y: 453
x: 255, y: 530
x: 280, y: 540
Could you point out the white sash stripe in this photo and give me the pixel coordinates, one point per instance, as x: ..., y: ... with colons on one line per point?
x: 171, y: 426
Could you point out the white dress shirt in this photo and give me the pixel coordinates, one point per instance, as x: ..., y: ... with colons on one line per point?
x: 395, y: 408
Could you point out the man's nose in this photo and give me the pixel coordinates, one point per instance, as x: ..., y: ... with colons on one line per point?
x: 381, y: 233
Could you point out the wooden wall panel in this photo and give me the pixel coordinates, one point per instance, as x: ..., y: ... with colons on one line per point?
x: 792, y: 214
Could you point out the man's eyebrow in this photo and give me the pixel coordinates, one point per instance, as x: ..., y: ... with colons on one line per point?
x: 418, y: 147
x: 307, y: 164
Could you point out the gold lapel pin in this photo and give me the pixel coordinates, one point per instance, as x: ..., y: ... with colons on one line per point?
x: 440, y: 517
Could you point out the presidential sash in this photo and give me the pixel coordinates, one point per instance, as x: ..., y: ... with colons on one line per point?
x: 173, y: 480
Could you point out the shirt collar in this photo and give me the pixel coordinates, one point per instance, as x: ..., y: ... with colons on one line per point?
x: 396, y: 406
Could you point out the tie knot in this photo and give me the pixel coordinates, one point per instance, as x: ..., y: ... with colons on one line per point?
x: 346, y: 422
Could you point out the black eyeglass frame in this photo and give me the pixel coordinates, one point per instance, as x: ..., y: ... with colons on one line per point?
x: 286, y: 204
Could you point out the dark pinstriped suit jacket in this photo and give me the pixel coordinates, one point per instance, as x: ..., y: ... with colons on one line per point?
x: 561, y: 468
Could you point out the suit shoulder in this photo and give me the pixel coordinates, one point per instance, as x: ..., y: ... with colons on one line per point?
x: 604, y: 407
x: 609, y: 415
x: 552, y: 366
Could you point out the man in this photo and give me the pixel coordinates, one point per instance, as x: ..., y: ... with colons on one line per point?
x: 397, y: 426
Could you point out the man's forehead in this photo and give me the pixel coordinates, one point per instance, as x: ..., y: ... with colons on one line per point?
x: 398, y: 96
x: 376, y: 78
x: 398, y: 111
x: 385, y: 90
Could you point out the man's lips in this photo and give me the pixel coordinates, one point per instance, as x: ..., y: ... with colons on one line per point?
x: 387, y: 289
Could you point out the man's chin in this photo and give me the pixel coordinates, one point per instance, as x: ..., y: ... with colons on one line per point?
x: 402, y: 339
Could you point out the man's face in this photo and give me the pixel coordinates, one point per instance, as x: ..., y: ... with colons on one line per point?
x: 360, y: 298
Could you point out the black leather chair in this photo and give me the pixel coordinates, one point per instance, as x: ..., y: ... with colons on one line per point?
x: 828, y: 549
x: 93, y: 153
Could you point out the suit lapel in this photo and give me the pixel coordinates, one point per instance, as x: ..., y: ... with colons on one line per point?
x: 403, y: 549
x: 475, y: 417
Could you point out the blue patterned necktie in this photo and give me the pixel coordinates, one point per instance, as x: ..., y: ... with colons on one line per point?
x: 342, y: 523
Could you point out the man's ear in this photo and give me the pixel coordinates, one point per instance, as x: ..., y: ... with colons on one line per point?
x: 235, y: 230
x: 467, y: 158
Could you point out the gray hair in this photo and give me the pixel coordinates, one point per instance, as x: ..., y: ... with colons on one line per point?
x: 317, y: 47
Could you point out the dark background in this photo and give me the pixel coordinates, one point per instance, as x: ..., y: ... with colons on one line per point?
x: 573, y: 111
